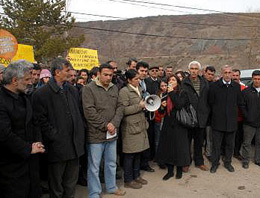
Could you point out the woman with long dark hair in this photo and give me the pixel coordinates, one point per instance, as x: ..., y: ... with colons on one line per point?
x: 134, y: 134
x: 173, y: 149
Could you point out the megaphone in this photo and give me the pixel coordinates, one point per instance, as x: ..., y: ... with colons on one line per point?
x: 152, y: 102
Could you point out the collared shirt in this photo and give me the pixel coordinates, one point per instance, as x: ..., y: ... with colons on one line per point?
x: 257, y: 89
x: 154, y: 79
x: 99, y: 84
x: 135, y: 89
x: 226, y: 83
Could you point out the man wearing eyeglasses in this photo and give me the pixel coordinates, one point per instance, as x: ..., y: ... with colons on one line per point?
x: 117, y: 77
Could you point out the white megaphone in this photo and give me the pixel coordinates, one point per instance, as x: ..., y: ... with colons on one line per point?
x: 152, y: 102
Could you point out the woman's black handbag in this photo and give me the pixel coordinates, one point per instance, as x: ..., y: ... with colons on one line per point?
x: 187, y: 116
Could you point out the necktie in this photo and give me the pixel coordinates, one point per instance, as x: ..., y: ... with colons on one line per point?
x: 142, y: 83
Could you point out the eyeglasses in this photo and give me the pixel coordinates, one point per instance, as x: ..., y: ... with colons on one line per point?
x: 154, y: 70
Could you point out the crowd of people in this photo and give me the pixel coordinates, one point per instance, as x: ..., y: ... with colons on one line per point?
x: 68, y: 127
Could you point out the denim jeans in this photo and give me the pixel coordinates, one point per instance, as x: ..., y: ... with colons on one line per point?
x: 95, y: 152
x: 249, y: 133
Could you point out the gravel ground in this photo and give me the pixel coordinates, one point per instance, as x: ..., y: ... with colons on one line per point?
x: 243, y: 183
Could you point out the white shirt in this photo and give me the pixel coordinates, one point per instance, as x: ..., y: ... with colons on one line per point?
x: 257, y: 89
x: 226, y: 83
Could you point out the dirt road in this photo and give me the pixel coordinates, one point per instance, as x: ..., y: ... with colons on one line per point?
x: 243, y: 183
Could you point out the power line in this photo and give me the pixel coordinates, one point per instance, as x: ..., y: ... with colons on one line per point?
x: 152, y: 7
x: 165, y: 36
x: 177, y: 6
x: 186, y: 7
x: 177, y: 22
x: 162, y: 36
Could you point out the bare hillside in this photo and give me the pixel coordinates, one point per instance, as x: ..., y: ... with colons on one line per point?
x: 215, y: 39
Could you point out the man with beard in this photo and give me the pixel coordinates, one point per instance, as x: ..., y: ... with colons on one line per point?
x: 19, y: 176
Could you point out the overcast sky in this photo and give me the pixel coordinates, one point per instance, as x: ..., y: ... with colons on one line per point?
x: 128, y: 9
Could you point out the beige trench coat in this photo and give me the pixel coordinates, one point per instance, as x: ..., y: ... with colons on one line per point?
x: 134, y: 123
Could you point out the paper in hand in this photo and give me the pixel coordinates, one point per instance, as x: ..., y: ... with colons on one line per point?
x: 109, y: 136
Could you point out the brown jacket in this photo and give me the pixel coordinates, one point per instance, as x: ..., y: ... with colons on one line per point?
x: 101, y: 106
x: 134, y: 124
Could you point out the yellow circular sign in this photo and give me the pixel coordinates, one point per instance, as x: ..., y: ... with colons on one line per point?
x: 8, y: 45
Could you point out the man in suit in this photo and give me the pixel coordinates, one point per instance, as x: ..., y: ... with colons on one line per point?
x: 142, y: 69
x: 224, y: 99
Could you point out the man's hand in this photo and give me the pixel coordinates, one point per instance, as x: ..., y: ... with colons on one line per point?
x: 111, y: 128
x: 37, y: 147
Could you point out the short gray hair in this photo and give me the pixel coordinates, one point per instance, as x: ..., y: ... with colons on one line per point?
x: 16, y: 69
x: 194, y: 63
x: 225, y: 67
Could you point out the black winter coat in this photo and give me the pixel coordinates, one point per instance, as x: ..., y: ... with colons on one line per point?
x: 200, y: 103
x: 174, y: 143
x: 19, y: 176
x: 152, y: 86
x: 251, y: 108
x: 57, y: 113
x: 224, y: 102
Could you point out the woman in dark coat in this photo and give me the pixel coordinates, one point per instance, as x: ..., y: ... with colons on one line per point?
x: 173, y: 147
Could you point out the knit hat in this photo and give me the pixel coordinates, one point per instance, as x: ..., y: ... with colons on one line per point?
x: 45, y: 73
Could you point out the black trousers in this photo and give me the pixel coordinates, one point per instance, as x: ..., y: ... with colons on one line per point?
x: 229, y: 138
x: 131, y: 166
x: 239, y: 138
x: 197, y: 134
x: 63, y: 178
x: 149, y: 153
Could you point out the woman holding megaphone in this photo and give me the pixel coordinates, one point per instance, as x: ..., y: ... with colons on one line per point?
x: 134, y: 134
x: 173, y: 149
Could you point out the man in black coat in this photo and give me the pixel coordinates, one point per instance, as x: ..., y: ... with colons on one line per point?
x: 142, y: 69
x: 224, y: 99
x: 197, y: 89
x: 56, y: 111
x: 152, y: 87
x: 251, y: 112
x: 209, y: 75
x: 19, y: 176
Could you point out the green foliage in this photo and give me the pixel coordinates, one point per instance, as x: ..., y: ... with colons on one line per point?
x: 41, y: 23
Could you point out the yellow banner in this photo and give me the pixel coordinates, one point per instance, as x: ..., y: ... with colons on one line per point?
x: 83, y: 58
x: 24, y: 52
